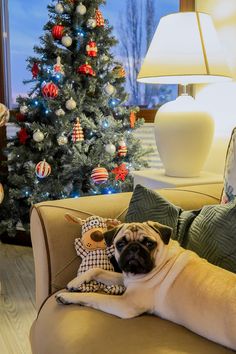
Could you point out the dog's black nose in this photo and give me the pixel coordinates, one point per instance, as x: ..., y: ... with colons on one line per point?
x: 97, y: 236
x: 134, y: 247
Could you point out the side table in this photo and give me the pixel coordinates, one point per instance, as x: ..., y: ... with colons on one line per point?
x: 156, y: 179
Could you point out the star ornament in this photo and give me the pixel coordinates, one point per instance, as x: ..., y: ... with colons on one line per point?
x: 23, y: 136
x: 121, y: 172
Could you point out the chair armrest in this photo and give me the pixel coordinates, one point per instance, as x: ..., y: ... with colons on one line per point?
x: 56, y: 262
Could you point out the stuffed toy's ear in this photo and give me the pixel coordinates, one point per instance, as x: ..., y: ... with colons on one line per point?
x: 164, y: 231
x: 111, y: 223
x: 111, y: 234
x: 74, y: 219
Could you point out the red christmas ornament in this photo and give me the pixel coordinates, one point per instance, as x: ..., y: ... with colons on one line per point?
x: 23, y: 136
x: 42, y: 169
x: 85, y: 69
x: 132, y: 119
x: 99, y: 175
x: 91, y: 49
x: 50, y: 90
x: 35, y: 70
x: 20, y: 117
x: 99, y: 18
x: 57, y: 31
x: 77, y: 134
x: 122, y: 149
x: 121, y: 172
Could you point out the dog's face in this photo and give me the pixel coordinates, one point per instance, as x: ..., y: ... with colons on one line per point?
x: 137, y: 244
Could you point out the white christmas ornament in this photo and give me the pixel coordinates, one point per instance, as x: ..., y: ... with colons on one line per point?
x: 38, y: 136
x: 110, y: 149
x: 81, y: 9
x: 70, y: 104
x: 59, y: 112
x: 109, y: 89
x: 91, y: 23
x: 62, y: 140
x: 66, y: 41
x: 59, y: 9
x: 23, y: 109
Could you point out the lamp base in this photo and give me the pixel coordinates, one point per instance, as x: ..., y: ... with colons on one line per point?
x: 184, y: 133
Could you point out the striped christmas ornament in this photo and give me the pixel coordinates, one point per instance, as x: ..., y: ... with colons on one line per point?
x: 99, y: 175
x: 122, y: 149
x: 42, y: 169
x: 57, y: 31
x: 77, y: 134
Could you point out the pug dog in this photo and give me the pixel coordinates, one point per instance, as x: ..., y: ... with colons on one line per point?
x: 163, y: 279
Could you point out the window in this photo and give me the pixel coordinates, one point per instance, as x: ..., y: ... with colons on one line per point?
x: 138, y: 18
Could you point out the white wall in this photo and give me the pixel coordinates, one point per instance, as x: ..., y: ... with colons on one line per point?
x: 220, y: 99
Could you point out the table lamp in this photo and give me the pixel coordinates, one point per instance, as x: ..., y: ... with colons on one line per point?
x: 185, y: 50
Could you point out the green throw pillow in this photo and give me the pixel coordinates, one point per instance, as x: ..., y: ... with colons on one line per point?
x: 210, y: 231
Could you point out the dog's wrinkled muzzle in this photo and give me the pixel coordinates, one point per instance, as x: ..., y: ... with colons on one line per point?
x: 135, y: 259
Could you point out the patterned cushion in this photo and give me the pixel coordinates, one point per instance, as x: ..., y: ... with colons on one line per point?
x: 210, y: 231
x: 229, y: 191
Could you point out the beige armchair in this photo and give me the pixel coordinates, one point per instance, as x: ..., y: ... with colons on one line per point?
x: 73, y: 329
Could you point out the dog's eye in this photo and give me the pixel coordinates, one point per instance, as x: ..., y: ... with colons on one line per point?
x: 121, y: 244
x: 149, y: 243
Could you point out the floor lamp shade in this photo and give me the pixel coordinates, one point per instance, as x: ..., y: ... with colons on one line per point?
x: 185, y: 50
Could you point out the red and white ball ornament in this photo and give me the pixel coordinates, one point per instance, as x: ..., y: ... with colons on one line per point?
x: 50, y: 90
x: 99, y: 175
x: 66, y: 40
x: 57, y: 31
x: 122, y: 149
x: 42, y: 169
x: 81, y: 9
x: 91, y: 49
x: 70, y: 104
x: 38, y: 136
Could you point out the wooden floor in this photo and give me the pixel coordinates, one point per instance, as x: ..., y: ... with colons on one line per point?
x: 17, y: 293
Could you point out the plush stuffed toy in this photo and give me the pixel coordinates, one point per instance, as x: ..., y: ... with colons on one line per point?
x: 94, y: 252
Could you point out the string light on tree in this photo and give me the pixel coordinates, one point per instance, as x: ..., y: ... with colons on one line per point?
x: 42, y: 169
x: 113, y: 102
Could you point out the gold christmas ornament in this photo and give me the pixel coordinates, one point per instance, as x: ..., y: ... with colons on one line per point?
x: 4, y: 115
x: 1, y: 193
x: 77, y: 134
x: 70, y: 104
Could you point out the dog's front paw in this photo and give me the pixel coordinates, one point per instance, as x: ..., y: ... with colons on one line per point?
x: 74, y: 284
x: 64, y: 298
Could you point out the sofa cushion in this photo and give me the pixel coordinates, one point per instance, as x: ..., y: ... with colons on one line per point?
x: 75, y: 329
x: 210, y: 231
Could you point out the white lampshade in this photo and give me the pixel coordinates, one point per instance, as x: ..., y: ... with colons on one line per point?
x: 185, y: 49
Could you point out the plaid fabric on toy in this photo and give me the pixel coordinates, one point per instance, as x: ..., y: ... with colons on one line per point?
x: 99, y: 258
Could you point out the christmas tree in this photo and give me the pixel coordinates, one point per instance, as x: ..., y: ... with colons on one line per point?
x: 75, y: 133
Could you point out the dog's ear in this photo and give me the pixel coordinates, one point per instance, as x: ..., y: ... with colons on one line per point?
x: 111, y: 234
x: 164, y: 231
